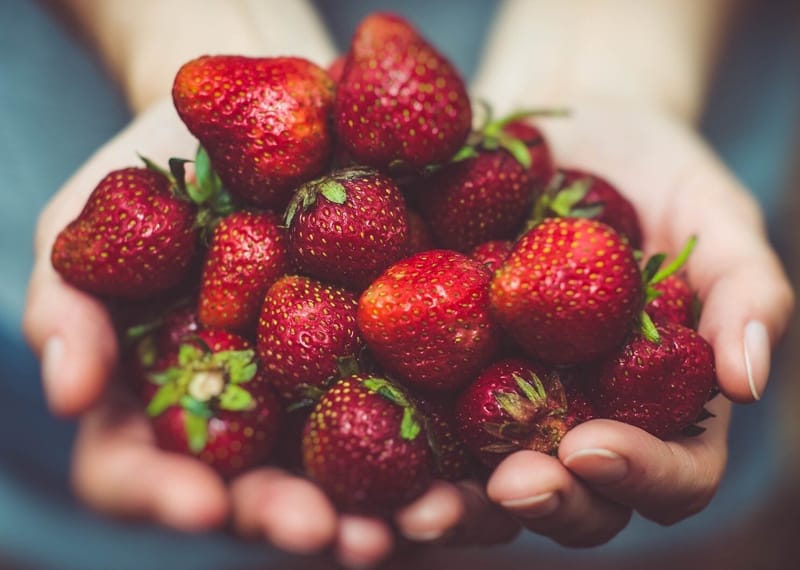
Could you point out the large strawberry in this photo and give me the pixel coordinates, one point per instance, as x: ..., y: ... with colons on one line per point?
x: 133, y: 238
x: 247, y: 254
x: 426, y: 320
x: 399, y: 102
x: 305, y: 330
x: 214, y: 402
x: 347, y: 227
x: 513, y: 405
x: 263, y: 121
x: 365, y: 445
x: 569, y: 292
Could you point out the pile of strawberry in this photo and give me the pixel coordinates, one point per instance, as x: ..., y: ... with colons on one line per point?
x: 353, y: 282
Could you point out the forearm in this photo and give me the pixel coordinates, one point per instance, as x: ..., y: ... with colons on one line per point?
x: 143, y: 43
x: 658, y: 52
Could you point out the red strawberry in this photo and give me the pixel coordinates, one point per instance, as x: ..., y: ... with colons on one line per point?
x: 492, y: 253
x: 247, y: 254
x: 661, y: 386
x: 451, y: 457
x: 675, y: 303
x: 513, y: 405
x: 213, y: 402
x: 305, y: 329
x: 263, y: 121
x: 336, y: 68
x: 426, y: 320
x: 347, y: 227
x: 399, y: 101
x: 419, y: 235
x: 133, y: 238
x: 365, y: 445
x: 569, y: 292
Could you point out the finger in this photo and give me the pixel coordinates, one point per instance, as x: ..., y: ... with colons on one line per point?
x: 432, y: 515
x: 665, y: 481
x: 291, y: 513
x: 363, y: 541
x: 117, y: 469
x: 549, y: 500
x: 484, y: 523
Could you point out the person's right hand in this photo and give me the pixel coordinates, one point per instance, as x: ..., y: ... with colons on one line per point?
x: 118, y: 468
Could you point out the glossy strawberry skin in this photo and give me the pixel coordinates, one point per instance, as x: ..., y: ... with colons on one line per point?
x: 248, y: 253
x: 353, y: 449
x: 304, y: 329
x: 675, y: 304
x: 659, y: 387
x: 492, y: 253
x: 263, y: 121
x: 569, y: 292
x: 399, y: 101
x: 350, y: 244
x: 426, y: 320
x: 132, y: 239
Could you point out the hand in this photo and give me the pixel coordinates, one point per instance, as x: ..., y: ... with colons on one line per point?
x: 608, y: 469
x: 117, y: 467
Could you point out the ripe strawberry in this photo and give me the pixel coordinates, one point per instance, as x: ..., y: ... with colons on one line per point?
x: 347, y: 227
x: 426, y: 320
x: 674, y: 304
x: 419, y: 235
x: 247, y: 254
x: 133, y: 238
x: 451, y: 458
x: 492, y: 253
x: 365, y: 445
x: 513, y: 405
x: 487, y: 195
x: 661, y: 386
x: 263, y: 121
x: 399, y: 101
x: 213, y: 402
x: 569, y: 292
x: 306, y: 328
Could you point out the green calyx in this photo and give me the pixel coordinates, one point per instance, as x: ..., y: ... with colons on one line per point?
x: 331, y: 187
x: 563, y: 201
x: 412, y: 421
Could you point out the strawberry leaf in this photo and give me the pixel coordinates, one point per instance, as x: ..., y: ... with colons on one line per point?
x: 170, y: 375
x: 236, y: 399
x: 207, y: 182
x: 387, y: 390
x: 168, y: 395
x: 676, y: 263
x: 334, y: 191
x: 588, y: 212
x: 652, y: 266
x: 196, y: 431
x: 518, y: 149
x: 240, y: 364
x: 194, y: 407
x: 177, y: 167
x: 649, y: 329
x: 147, y: 352
x: 188, y: 354
x: 409, y: 426
x: 535, y: 392
x: 464, y: 153
x: 565, y: 200
x: 150, y: 165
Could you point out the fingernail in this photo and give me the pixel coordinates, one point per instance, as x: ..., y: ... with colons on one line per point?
x: 534, y: 507
x: 52, y: 359
x: 423, y: 535
x: 756, y: 357
x: 598, y: 465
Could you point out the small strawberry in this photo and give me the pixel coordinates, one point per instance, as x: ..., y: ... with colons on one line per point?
x: 247, y: 254
x: 399, y: 101
x: 492, y: 253
x: 366, y: 446
x: 214, y: 402
x: 513, y: 405
x: 347, y: 227
x: 263, y: 121
x: 569, y: 292
x: 675, y: 303
x: 452, y: 460
x: 306, y: 328
x: 419, y: 235
x: 426, y: 320
x: 660, y: 386
x: 133, y: 238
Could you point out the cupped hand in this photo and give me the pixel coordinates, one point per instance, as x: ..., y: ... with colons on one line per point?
x: 605, y: 470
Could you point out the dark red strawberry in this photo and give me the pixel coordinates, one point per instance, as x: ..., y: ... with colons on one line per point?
x: 214, y: 402
x: 347, y: 227
x: 306, y: 328
x: 419, y: 235
x: 426, y: 320
x: 674, y: 304
x: 133, y: 238
x: 569, y: 292
x: 247, y: 254
x: 399, y: 102
x: 492, y: 253
x: 452, y: 460
x: 263, y: 121
x: 513, y: 405
x: 661, y: 386
x: 366, y: 446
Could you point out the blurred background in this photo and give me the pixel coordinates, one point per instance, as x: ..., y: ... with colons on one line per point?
x: 57, y: 106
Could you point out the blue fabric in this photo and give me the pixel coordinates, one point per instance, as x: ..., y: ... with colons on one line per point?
x: 56, y: 107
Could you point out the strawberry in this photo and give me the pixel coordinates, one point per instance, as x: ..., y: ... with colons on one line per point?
x: 675, y: 303
x: 399, y: 102
x: 512, y: 405
x: 366, y: 447
x: 214, y: 402
x: 451, y: 457
x: 492, y: 253
x: 248, y: 253
x: 336, y: 68
x: 419, y: 235
x: 347, y: 227
x: 306, y: 328
x: 263, y: 121
x: 569, y: 292
x: 134, y: 237
x: 661, y: 386
x: 426, y: 320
